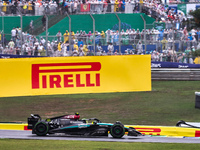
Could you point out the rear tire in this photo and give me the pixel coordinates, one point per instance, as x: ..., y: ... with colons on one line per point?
x: 117, y: 130
x: 41, y: 128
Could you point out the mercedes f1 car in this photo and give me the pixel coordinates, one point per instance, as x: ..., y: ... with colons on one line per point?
x: 72, y: 125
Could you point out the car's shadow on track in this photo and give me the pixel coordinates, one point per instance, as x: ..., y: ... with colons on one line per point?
x: 84, y: 137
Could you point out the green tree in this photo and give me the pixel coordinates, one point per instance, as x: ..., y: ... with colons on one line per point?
x: 196, y: 15
x: 196, y: 53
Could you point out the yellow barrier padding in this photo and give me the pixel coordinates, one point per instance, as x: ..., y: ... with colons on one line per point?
x: 167, y: 131
x: 13, y: 126
x: 145, y: 130
x: 71, y: 75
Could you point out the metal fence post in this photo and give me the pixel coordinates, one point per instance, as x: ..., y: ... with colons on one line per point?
x: 70, y: 48
x: 145, y: 40
x: 21, y: 31
x: 21, y: 23
x: 119, y: 33
x: 173, y: 40
x: 93, y: 32
x: 46, y: 35
x: 2, y: 28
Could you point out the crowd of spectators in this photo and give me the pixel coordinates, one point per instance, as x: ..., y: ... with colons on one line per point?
x: 68, y: 6
x: 104, y: 41
x: 39, y: 7
x: 183, y: 1
x: 174, y: 36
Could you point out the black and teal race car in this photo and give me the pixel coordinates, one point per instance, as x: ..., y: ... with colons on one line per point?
x: 72, y: 125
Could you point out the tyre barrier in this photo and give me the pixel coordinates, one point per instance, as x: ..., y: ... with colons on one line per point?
x: 170, y: 131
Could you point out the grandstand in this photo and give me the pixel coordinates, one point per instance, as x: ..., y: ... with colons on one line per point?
x: 124, y: 20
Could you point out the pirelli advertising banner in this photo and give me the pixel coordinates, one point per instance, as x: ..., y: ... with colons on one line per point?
x: 70, y: 75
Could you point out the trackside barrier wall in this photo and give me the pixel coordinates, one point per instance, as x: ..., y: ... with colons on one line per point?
x: 167, y: 131
x: 145, y: 130
x: 13, y: 126
x: 70, y: 75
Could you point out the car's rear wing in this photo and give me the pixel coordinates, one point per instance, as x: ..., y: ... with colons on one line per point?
x: 33, y: 120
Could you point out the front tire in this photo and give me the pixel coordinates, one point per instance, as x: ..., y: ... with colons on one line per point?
x: 117, y: 130
x: 41, y: 128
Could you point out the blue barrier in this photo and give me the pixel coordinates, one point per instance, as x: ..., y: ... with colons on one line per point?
x: 153, y: 63
x: 133, y: 47
x: 173, y: 65
x: 15, y: 56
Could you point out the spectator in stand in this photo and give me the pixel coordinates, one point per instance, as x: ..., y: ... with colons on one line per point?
x: 193, y: 32
x: 139, y: 48
x: 44, y: 22
x: 137, y: 37
x: 98, y: 53
x: 42, y: 52
x: 168, y: 57
x: 103, y: 38
x: 59, y: 35
x: 110, y: 49
x: 185, y: 32
x: 116, y: 52
x: 108, y: 4
x: 75, y: 47
x: 116, y: 6
x: 30, y: 8
x: 31, y: 27
x: 128, y: 6
x: 36, y: 50
x: 85, y: 49
x: 116, y: 38
x: 4, y: 8
x: 198, y: 35
x: 66, y: 36
x: 13, y: 34
x: 164, y: 43
x: 43, y: 41
x: 25, y: 6
x: 160, y: 35
x: 80, y: 42
x: 99, y: 49
x: 90, y: 53
x: 1, y: 49
x: 11, y: 44
x: 3, y: 40
x: 190, y: 39
x: 84, y: 37
x: 6, y: 50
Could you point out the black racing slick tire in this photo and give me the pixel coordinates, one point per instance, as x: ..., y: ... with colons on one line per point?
x: 117, y: 130
x: 41, y: 128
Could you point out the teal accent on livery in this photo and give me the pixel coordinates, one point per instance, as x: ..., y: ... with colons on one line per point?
x: 105, y: 124
x: 108, y: 124
x: 79, y: 126
x: 69, y: 127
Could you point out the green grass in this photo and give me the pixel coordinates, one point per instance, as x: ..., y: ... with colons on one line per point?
x: 167, y: 103
x: 6, y: 144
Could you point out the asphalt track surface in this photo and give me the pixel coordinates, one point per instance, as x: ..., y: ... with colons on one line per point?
x: 17, y: 134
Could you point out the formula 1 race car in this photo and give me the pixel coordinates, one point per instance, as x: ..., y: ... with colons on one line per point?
x: 182, y: 123
x: 71, y: 125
